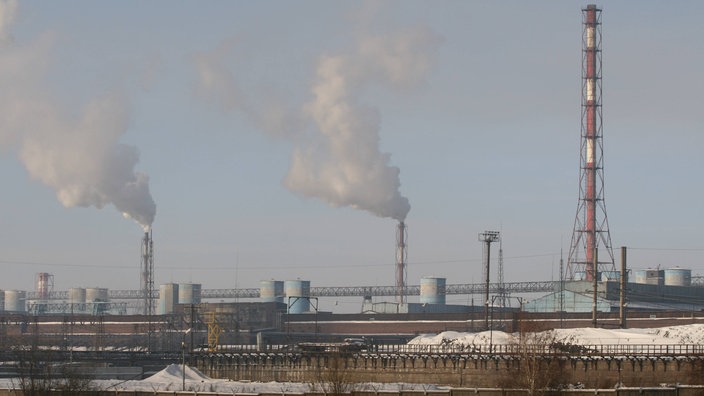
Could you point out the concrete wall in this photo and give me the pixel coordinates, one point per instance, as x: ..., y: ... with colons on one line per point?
x: 667, y: 391
x: 457, y: 370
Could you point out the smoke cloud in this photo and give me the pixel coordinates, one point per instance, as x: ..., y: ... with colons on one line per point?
x: 8, y: 13
x: 342, y: 163
x: 78, y: 154
x: 338, y: 160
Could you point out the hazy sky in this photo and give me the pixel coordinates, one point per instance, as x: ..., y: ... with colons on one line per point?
x: 279, y: 140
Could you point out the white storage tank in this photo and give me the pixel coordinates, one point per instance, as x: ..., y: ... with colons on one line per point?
x: 77, y: 298
x: 96, y: 294
x: 297, y: 293
x: 271, y: 291
x: 77, y: 295
x: 189, y: 293
x: 678, y: 277
x: 97, y: 299
x: 640, y: 276
x: 168, y: 297
x: 432, y: 290
x: 15, y: 300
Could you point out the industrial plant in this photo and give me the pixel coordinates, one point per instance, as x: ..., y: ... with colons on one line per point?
x: 595, y: 289
x: 588, y: 283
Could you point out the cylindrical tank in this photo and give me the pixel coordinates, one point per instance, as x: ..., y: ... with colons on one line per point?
x: 189, y: 293
x: 432, y: 290
x: 654, y: 277
x: 168, y: 297
x: 97, y: 300
x: 77, y: 295
x: 678, y: 277
x: 640, y: 276
x: 271, y: 291
x: 610, y: 276
x: 77, y: 299
x: 15, y: 300
x: 297, y: 293
x: 96, y: 294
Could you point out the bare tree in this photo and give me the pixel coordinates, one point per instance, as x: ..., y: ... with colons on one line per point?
x: 538, y: 368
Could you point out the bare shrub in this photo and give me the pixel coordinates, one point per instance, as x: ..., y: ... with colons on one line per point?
x: 334, y: 378
x: 539, y: 369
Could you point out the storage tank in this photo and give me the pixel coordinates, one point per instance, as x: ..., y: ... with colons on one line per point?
x: 271, y: 291
x: 432, y: 290
x: 648, y: 276
x: 97, y: 299
x: 15, y: 300
x: 297, y: 293
x: 640, y: 276
x: 610, y: 276
x: 678, y: 277
x: 168, y: 297
x: 189, y: 293
x: 77, y: 295
x: 77, y: 298
x: 96, y: 294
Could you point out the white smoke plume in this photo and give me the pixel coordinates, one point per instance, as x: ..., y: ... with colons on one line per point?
x: 79, y: 156
x: 8, y: 13
x: 218, y: 85
x: 342, y: 163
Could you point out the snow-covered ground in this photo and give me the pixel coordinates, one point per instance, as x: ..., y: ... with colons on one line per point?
x: 673, y: 335
x: 171, y: 378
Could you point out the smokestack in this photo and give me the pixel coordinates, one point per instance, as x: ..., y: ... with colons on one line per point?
x: 147, y: 273
x: 401, y: 257
x: 591, y: 226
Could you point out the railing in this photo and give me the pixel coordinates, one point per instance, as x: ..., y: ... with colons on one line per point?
x: 603, y: 350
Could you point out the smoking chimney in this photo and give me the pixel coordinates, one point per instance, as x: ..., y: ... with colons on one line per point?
x: 401, y: 256
x: 147, y: 273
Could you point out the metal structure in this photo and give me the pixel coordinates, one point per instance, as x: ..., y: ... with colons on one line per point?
x: 503, y: 296
x: 348, y: 291
x: 488, y: 237
x: 147, y: 273
x: 401, y: 259
x: 591, y: 227
x: 45, y: 285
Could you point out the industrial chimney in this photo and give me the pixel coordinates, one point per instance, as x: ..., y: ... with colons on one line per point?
x: 147, y: 273
x: 401, y: 257
x: 591, y: 226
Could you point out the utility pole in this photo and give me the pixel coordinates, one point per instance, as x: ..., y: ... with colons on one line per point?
x: 488, y: 237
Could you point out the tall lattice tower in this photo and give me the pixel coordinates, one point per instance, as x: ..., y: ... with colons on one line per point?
x: 591, y: 226
x: 147, y: 274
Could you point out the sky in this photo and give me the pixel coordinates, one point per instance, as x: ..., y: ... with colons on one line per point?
x: 284, y: 140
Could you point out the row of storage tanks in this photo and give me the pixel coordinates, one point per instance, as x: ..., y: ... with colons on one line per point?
x: 81, y: 299
x: 432, y: 291
x: 660, y: 277
x: 297, y: 293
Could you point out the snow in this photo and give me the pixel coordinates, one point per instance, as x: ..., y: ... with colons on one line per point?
x: 672, y: 335
x: 171, y: 379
